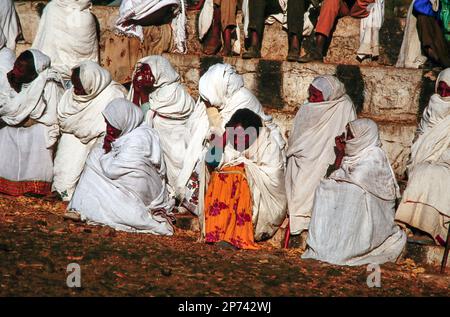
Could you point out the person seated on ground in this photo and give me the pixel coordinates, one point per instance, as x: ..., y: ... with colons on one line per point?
x: 10, y: 24
x: 426, y: 200
x: 123, y: 183
x: 7, y: 58
x: 352, y: 221
x: 167, y: 107
x: 330, y: 11
x: 222, y: 93
x: 144, y: 28
x: 426, y: 40
x: 217, y: 21
x: 245, y: 200
x: 310, y: 145
x: 28, y: 125
x: 260, y: 9
x: 81, y: 122
x: 67, y: 33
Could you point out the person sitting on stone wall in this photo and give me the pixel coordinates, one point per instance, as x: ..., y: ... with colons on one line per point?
x: 67, y: 33
x: 426, y: 200
x: 218, y: 20
x: 144, y: 28
x: 352, y: 220
x: 28, y: 125
x: 310, y: 146
x: 258, y: 10
x: 426, y: 40
x: 330, y: 11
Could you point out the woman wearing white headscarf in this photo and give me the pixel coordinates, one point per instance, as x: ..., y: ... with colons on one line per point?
x: 67, y: 33
x: 426, y: 201
x: 28, y: 108
x: 10, y: 23
x: 81, y: 122
x: 123, y: 184
x: 167, y: 108
x: 222, y: 93
x: 310, y: 146
x: 7, y: 58
x: 352, y: 221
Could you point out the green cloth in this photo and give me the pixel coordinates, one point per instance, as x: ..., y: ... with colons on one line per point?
x: 145, y: 108
x: 445, y: 18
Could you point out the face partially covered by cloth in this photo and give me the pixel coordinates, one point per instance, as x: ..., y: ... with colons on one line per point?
x: 112, y: 134
x: 23, y: 72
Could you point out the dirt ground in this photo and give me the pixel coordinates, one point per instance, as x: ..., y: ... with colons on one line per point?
x: 37, y: 245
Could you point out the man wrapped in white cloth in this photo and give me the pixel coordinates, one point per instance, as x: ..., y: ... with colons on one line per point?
x: 131, y: 11
x: 369, y: 31
x: 222, y: 93
x: 81, y: 122
x: 123, y: 184
x: 426, y: 200
x: 310, y: 145
x: 28, y: 110
x: 10, y: 23
x: 67, y: 33
x: 7, y: 58
x: 167, y: 107
x: 352, y: 221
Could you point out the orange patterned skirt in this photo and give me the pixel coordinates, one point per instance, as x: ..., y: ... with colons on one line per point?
x: 228, y: 208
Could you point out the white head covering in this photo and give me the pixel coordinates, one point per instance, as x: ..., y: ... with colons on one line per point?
x: 123, y: 115
x: 365, y: 164
x: 162, y: 70
x: 330, y: 86
x: 445, y: 77
x: 94, y: 80
x: 365, y: 132
x: 219, y: 83
x: 41, y: 61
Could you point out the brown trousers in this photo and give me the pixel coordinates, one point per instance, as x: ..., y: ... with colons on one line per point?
x: 431, y: 35
x: 228, y: 10
x: 333, y: 9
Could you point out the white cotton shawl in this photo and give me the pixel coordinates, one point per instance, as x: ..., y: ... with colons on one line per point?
x: 138, y: 9
x: 16, y: 107
x: 9, y: 23
x: 170, y: 108
x: 311, y: 147
x: 429, y: 166
x: 224, y: 89
x: 353, y: 216
x: 67, y: 34
x: 264, y: 168
x: 410, y: 52
x: 369, y: 41
x: 365, y: 164
x: 82, y: 115
x: 7, y: 58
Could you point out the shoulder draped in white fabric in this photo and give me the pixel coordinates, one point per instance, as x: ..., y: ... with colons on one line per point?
x: 7, y: 58
x: 352, y: 221
x: 67, y: 34
x: 426, y: 203
x: 82, y: 123
x: 311, y: 147
x: 125, y: 188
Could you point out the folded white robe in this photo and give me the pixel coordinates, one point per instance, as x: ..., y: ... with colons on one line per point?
x: 10, y: 23
x: 369, y: 31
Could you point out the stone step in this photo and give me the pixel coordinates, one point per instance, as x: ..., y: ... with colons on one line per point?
x: 342, y: 49
x: 431, y: 255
